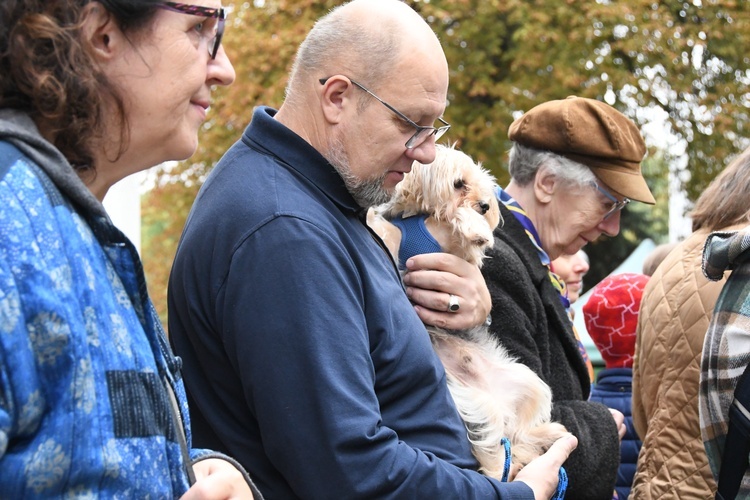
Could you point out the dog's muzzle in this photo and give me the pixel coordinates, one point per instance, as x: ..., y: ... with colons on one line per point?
x: 453, y: 305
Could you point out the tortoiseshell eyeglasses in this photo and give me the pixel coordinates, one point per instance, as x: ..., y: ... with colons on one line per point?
x: 196, y: 10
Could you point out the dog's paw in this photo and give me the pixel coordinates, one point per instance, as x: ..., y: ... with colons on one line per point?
x: 548, y: 433
x: 515, y: 468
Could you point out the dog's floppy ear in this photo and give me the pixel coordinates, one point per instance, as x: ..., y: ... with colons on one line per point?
x: 409, y: 193
x: 445, y: 172
x: 428, y: 188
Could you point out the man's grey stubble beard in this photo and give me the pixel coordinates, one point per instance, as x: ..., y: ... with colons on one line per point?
x: 366, y: 192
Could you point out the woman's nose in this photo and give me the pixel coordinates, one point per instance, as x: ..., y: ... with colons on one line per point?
x: 220, y: 70
x: 611, y: 225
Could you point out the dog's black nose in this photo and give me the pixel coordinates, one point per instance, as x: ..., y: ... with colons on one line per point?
x: 484, y: 207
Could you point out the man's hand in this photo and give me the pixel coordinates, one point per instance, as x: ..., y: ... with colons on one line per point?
x: 619, y: 422
x: 541, y: 474
x: 430, y: 281
x: 218, y: 479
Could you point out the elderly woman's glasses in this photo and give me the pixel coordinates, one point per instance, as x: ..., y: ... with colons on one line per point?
x: 196, y: 10
x: 617, y: 205
x: 422, y: 132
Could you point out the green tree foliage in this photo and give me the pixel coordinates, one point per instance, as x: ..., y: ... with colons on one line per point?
x: 686, y: 60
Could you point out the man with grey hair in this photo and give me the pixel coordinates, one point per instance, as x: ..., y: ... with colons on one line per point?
x: 303, y: 353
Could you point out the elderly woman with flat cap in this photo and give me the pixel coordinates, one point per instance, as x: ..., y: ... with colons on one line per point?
x: 574, y: 165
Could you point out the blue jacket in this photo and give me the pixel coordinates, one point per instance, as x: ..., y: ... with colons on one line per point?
x: 85, y: 370
x: 614, y: 388
x: 304, y: 358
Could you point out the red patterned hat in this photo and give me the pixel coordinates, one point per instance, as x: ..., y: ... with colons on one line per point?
x: 611, y: 317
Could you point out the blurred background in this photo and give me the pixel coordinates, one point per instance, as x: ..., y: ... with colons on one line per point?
x: 679, y: 69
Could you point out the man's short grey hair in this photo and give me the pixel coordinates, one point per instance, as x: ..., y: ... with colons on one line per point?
x: 336, y: 45
x: 524, y: 162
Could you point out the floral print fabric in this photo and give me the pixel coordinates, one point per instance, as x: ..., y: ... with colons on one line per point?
x: 83, y: 406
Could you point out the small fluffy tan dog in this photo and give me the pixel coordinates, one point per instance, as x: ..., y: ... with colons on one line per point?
x: 496, y: 396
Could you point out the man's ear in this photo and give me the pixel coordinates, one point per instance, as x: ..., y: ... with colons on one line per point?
x: 100, y: 33
x: 334, y: 99
x: 545, y: 184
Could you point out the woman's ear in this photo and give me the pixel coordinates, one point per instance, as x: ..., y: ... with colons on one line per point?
x: 545, y: 184
x: 100, y: 33
x: 334, y: 98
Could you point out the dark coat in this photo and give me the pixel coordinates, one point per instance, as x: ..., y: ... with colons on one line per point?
x: 530, y: 321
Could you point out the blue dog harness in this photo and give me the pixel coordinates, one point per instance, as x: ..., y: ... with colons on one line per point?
x: 415, y: 238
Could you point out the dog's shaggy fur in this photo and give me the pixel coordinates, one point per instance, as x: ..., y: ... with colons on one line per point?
x: 496, y: 396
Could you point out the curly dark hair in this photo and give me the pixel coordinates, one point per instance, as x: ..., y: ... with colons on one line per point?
x: 46, y: 71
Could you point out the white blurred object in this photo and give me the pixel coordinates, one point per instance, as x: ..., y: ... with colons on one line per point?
x: 123, y: 204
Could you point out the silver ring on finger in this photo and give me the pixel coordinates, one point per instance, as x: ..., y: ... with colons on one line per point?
x: 453, y: 305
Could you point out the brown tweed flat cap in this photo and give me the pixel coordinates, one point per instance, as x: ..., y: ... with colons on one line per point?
x: 592, y: 133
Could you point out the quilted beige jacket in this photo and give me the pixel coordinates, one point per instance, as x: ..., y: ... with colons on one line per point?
x: 676, y: 309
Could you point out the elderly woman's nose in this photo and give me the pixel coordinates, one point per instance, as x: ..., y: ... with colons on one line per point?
x: 611, y: 225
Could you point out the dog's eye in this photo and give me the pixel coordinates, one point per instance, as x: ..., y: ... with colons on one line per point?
x: 459, y: 184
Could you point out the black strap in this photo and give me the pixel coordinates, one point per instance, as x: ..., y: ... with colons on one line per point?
x: 734, y: 460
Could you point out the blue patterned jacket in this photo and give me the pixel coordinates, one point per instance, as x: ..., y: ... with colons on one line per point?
x: 86, y: 376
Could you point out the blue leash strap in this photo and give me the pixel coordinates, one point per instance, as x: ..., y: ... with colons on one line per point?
x: 562, y: 476
x: 562, y: 484
x: 506, y: 469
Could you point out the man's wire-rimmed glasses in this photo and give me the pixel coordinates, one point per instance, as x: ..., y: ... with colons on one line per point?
x: 422, y: 133
x: 197, y: 10
x: 617, y: 205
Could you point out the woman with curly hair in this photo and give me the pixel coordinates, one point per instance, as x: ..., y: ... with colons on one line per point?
x: 91, y: 399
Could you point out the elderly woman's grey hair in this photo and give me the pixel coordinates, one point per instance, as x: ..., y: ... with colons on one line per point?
x: 525, y: 162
